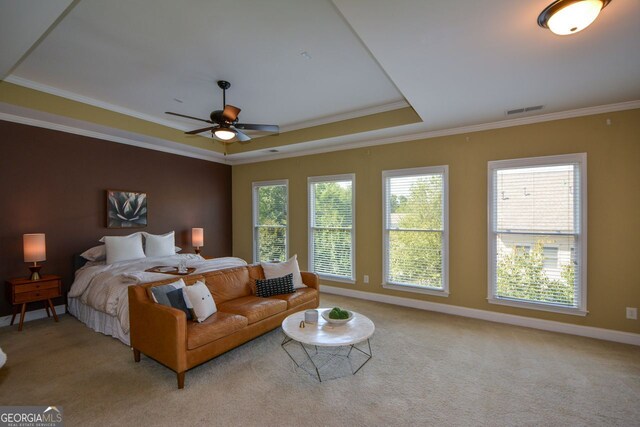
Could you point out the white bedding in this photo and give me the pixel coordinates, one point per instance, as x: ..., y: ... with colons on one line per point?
x: 104, y: 287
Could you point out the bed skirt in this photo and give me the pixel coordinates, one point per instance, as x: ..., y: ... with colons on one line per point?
x: 97, y: 320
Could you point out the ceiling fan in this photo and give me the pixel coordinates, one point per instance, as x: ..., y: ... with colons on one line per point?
x: 224, y: 123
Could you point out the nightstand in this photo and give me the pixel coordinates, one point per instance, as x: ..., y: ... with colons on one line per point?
x: 23, y: 291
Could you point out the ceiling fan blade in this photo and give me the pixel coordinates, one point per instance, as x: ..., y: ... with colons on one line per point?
x: 197, y: 131
x: 265, y: 128
x: 188, y: 117
x: 242, y: 137
x: 230, y: 113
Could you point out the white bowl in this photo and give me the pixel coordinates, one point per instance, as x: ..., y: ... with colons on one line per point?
x: 325, y: 316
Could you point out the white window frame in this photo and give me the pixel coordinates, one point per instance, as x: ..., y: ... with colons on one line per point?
x: 254, y: 203
x: 429, y: 170
x: 581, y: 236
x: 310, y: 204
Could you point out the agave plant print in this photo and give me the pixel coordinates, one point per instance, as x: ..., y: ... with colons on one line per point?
x: 126, y: 209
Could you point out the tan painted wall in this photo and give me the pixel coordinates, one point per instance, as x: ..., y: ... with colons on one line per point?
x: 613, y: 177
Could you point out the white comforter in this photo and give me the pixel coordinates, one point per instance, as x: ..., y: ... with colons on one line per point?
x: 104, y: 287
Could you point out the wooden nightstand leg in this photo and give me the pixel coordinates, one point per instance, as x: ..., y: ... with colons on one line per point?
x: 53, y: 310
x: 24, y: 308
x: 15, y: 311
x: 46, y: 307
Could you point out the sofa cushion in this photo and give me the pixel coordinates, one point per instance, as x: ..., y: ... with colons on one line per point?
x: 299, y: 297
x: 253, y: 308
x: 217, y: 326
x: 228, y: 284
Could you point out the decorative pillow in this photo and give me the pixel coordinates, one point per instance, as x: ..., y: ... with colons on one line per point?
x: 273, y: 270
x: 123, y: 248
x: 173, y: 295
x: 278, y: 286
x: 159, y: 244
x: 201, y: 300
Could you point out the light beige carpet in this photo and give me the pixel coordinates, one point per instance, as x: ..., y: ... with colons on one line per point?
x: 427, y: 369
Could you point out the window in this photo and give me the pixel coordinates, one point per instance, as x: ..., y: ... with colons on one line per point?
x: 270, y: 221
x: 331, y: 230
x: 539, y: 203
x: 550, y: 255
x: 416, y: 229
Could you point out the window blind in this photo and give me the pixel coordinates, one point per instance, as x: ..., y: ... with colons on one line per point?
x: 414, y: 222
x: 331, y: 234
x: 537, y: 206
x: 270, y: 221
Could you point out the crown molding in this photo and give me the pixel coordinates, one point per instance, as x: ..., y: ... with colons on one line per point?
x: 366, y: 139
x: 91, y: 101
x: 345, y: 116
x: 20, y: 81
x: 11, y: 113
x: 313, y: 147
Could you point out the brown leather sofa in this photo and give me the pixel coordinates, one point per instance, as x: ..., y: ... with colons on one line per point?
x: 164, y: 334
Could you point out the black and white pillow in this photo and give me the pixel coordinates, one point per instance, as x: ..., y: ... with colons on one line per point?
x: 276, y: 286
x: 172, y: 295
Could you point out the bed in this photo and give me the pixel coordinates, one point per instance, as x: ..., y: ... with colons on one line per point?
x: 98, y: 296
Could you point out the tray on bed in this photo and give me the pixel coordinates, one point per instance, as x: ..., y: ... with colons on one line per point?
x: 167, y: 269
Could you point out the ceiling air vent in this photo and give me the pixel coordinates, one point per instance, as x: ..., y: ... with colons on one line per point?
x: 524, y: 110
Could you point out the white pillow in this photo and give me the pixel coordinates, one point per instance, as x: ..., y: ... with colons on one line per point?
x: 101, y: 240
x: 201, y: 300
x: 123, y: 248
x: 96, y: 253
x: 159, y: 244
x: 273, y: 270
x: 99, y: 253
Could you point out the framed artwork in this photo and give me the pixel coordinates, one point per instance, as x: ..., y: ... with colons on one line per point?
x: 126, y: 209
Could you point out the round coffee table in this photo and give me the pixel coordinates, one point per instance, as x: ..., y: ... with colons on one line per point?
x: 327, y: 335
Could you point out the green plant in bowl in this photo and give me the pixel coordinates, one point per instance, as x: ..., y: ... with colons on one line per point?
x: 338, y: 314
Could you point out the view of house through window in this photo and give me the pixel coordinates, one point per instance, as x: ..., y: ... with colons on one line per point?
x: 415, y: 240
x: 536, y: 232
x: 331, y: 231
x: 270, y: 221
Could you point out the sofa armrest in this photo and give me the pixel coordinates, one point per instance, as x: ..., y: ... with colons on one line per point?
x: 157, y: 331
x: 310, y: 279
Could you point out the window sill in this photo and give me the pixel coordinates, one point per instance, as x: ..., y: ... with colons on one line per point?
x: 538, y: 306
x: 416, y: 289
x: 336, y: 279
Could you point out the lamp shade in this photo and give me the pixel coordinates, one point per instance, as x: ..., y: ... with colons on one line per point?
x: 34, y: 247
x: 197, y: 237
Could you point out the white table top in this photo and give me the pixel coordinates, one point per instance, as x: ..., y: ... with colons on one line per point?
x: 323, y: 333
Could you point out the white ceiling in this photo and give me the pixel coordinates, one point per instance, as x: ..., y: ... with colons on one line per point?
x: 459, y: 63
x: 22, y: 23
x: 141, y: 54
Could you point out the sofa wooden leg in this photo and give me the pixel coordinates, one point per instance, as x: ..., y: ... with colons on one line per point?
x: 136, y: 355
x: 180, y: 379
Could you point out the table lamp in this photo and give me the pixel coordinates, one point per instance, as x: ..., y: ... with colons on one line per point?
x: 197, y: 238
x: 34, y: 250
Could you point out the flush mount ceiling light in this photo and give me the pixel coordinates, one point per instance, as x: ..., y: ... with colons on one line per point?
x: 224, y: 134
x: 564, y: 17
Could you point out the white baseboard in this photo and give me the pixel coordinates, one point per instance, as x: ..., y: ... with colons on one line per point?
x: 30, y: 315
x: 491, y: 316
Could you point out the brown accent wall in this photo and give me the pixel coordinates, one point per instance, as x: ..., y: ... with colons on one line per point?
x: 54, y: 182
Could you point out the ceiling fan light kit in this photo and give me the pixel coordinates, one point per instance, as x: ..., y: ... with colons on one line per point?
x: 224, y: 123
x: 564, y: 17
x: 224, y: 134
